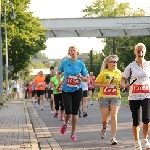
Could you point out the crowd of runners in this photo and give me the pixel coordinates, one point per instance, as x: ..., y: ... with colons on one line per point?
x: 68, y: 87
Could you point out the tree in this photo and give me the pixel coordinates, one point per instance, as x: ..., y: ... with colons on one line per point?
x: 125, y: 45
x: 97, y: 62
x: 25, y: 35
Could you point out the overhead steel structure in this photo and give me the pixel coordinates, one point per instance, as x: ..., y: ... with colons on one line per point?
x: 101, y: 27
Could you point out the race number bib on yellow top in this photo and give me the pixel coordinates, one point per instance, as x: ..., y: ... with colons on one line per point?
x: 110, y: 91
x: 73, y: 81
x: 140, y: 88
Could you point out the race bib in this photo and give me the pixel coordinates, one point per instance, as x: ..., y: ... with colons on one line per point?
x: 59, y: 89
x: 110, y: 91
x: 73, y: 81
x: 40, y: 84
x: 140, y: 88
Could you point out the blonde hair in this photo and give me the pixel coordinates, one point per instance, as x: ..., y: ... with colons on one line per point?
x: 140, y: 45
x: 75, y: 47
x: 107, y: 59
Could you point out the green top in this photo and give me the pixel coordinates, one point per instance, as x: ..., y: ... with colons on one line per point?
x: 55, y: 82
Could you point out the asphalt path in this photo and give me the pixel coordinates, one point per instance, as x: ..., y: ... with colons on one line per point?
x: 88, y: 130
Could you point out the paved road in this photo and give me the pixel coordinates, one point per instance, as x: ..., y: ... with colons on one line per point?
x: 88, y: 130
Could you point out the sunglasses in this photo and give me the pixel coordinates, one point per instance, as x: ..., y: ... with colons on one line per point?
x: 139, y: 51
x: 113, y: 62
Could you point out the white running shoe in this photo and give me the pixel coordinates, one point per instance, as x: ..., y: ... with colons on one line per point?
x: 146, y: 144
x: 41, y: 107
x: 52, y: 112
x: 138, y: 146
x: 103, y: 133
x: 91, y: 102
x: 114, y: 141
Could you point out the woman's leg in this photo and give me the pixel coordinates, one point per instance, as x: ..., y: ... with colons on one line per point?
x: 145, y: 116
x: 135, y: 109
x: 114, y: 111
x: 91, y: 96
x: 67, y: 101
x: 84, y: 104
x: 76, y: 99
x: 56, y: 103
x: 105, y: 112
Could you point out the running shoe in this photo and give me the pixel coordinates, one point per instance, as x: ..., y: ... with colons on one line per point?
x: 52, y: 112
x: 91, y: 102
x: 138, y: 146
x: 41, y: 107
x: 146, y: 144
x: 56, y: 115
x: 63, y: 128
x: 114, y: 141
x: 84, y: 114
x: 103, y: 133
x: 73, y: 137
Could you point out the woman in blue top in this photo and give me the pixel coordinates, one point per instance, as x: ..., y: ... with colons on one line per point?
x: 74, y: 70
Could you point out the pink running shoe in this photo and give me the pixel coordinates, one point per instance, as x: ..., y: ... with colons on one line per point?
x: 56, y: 115
x: 73, y: 137
x: 63, y: 128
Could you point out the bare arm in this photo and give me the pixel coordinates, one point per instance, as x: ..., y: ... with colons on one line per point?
x: 123, y: 82
x: 58, y: 77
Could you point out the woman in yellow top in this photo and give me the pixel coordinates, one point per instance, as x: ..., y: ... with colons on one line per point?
x: 109, y: 96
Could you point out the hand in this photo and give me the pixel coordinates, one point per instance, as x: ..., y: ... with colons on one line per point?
x: 79, y: 76
x: 127, y: 86
x: 107, y: 85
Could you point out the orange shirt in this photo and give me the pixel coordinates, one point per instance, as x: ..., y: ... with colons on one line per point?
x: 40, y: 82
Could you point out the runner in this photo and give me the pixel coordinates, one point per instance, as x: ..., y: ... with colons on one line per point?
x: 18, y: 90
x: 49, y: 89
x: 58, y: 96
x: 13, y: 88
x: 139, y: 94
x: 40, y: 88
x: 26, y: 90
x: 91, y: 87
x: 83, y: 103
x: 30, y: 90
x: 109, y: 95
x: 74, y: 70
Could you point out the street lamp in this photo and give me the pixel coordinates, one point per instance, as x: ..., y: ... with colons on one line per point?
x: 13, y: 16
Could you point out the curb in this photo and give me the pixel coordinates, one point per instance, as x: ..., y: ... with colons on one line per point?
x: 43, y: 135
x: 33, y: 139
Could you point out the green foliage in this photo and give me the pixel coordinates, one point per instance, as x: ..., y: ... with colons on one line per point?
x: 110, y: 8
x: 124, y: 45
x: 97, y: 62
x: 25, y: 35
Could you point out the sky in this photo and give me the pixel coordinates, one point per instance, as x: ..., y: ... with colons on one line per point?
x: 58, y: 47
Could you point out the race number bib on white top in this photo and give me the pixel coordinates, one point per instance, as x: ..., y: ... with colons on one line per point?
x: 110, y: 91
x: 140, y: 88
x: 73, y: 81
